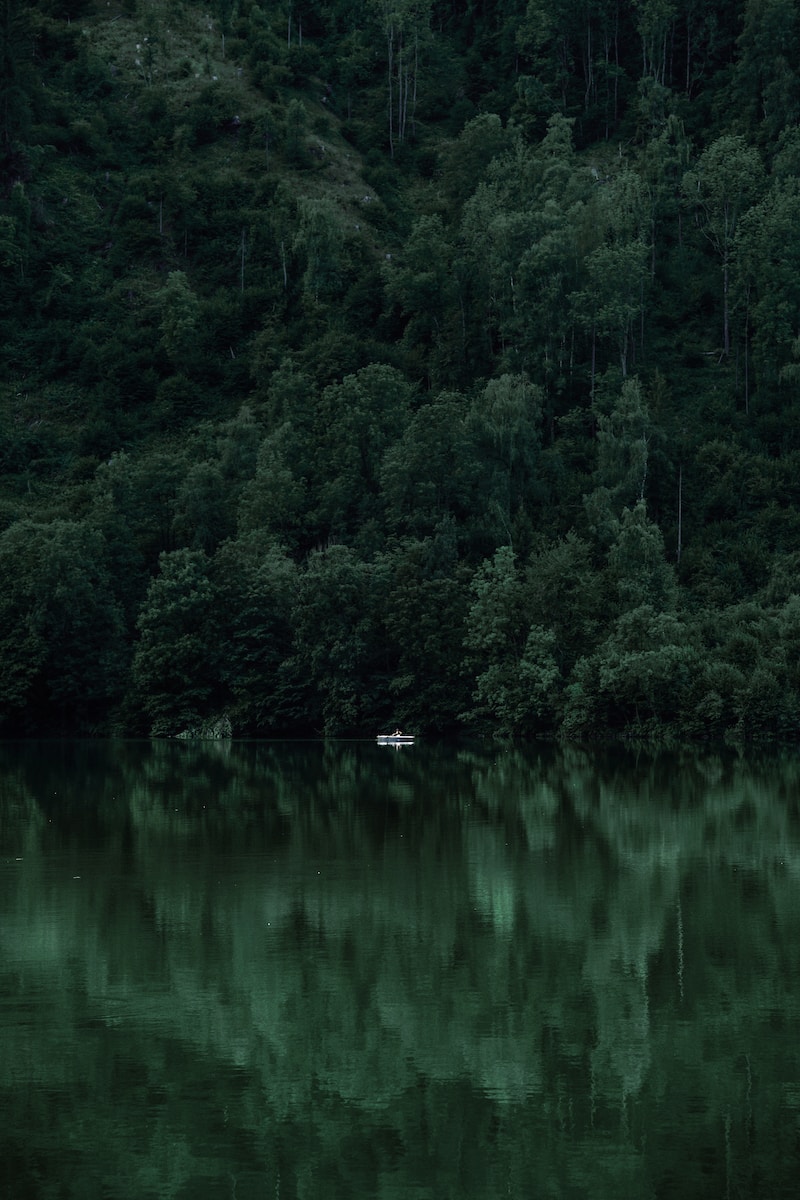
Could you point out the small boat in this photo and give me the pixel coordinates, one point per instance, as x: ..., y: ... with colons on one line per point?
x: 396, y: 739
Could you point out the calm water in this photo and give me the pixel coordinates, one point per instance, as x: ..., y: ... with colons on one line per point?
x: 341, y: 970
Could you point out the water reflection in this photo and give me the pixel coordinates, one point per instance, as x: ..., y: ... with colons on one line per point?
x: 325, y: 969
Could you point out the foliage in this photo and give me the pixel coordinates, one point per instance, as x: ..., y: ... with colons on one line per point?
x: 174, y: 669
x: 62, y: 644
x: 389, y: 361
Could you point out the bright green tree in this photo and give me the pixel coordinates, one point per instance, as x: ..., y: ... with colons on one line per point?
x: 637, y: 563
x: 358, y: 420
x: 768, y: 251
x: 505, y: 423
x: 256, y: 583
x: 623, y: 438
x: 180, y: 314
x: 175, y: 667
x: 430, y: 474
x: 424, y: 624
x: 726, y: 181
x: 318, y: 241
x: 511, y: 661
x: 638, y: 681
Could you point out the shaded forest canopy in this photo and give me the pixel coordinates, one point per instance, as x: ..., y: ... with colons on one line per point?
x: 408, y: 361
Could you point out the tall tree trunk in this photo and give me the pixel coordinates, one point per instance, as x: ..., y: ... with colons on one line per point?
x: 594, y: 361
x: 747, y: 352
x: 680, y: 510
x: 390, y: 51
x: 616, y: 65
x: 589, y: 73
x: 401, y: 89
x: 414, y: 92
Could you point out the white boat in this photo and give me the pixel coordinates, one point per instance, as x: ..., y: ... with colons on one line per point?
x: 395, y: 739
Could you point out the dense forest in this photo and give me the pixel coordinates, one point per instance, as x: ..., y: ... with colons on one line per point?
x: 431, y: 362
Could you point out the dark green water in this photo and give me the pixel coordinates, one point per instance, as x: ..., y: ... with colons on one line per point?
x: 301, y: 971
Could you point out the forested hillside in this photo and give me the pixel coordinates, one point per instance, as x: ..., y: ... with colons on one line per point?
x: 432, y: 362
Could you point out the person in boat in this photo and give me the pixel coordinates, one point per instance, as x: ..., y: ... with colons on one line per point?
x: 397, y: 733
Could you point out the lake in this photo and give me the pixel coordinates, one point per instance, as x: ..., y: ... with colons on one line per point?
x: 333, y: 969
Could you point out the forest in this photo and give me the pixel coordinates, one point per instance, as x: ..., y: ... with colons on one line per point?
x: 423, y: 362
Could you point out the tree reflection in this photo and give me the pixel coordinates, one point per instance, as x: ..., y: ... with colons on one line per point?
x: 470, y: 968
